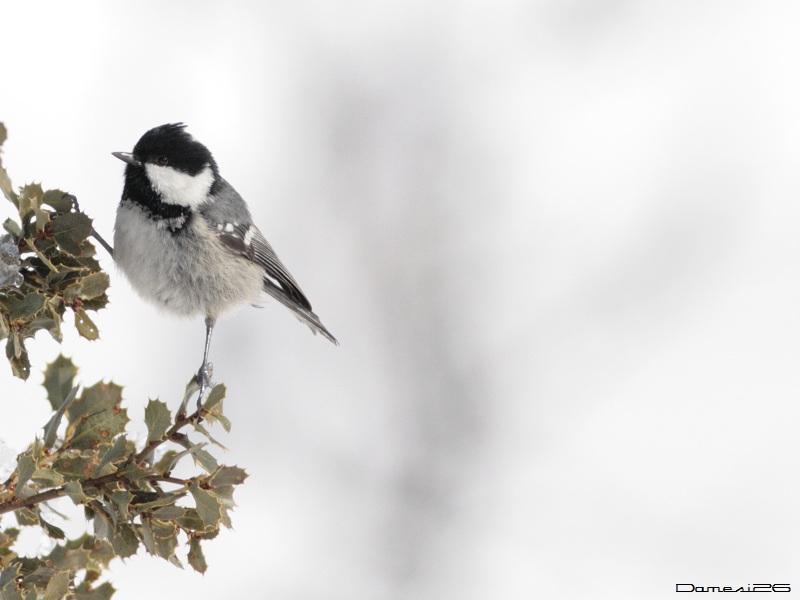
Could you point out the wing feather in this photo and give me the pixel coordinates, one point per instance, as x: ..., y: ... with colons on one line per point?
x: 249, y: 242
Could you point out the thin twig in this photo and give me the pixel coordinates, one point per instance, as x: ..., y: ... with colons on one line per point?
x: 98, y: 482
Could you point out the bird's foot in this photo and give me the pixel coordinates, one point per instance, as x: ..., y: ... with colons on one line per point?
x: 204, y: 376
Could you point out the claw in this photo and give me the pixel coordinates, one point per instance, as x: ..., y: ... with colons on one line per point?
x: 206, y: 369
x: 204, y: 376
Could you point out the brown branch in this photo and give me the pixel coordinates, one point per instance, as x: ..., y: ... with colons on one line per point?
x: 119, y: 475
x: 171, y: 434
x: 31, y: 501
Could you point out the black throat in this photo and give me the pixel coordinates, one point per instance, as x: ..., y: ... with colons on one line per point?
x: 138, y: 191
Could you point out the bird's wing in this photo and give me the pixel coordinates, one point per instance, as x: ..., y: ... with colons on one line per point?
x: 231, y: 221
x: 249, y: 242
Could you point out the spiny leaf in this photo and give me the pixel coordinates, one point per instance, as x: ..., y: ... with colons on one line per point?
x: 167, y: 462
x: 96, y: 429
x: 93, y: 285
x: 75, y: 491
x: 169, y: 513
x: 196, y: 558
x: 207, y: 506
x: 157, y: 418
x: 103, y: 522
x: 85, y: 552
x: 28, y: 305
x: 201, y: 457
x: 227, y: 476
x: 30, y: 201
x: 95, y: 398
x: 47, y: 478
x: 171, y: 458
x: 51, y: 530
x: 18, y: 356
x: 58, y: 200
x: 85, y: 325
x: 191, y: 388
x: 125, y: 542
x: 69, y: 230
x: 75, y: 466
x: 85, y: 591
x: 191, y: 521
x: 147, y: 537
x: 161, y: 501
x: 214, y: 407
x: 7, y: 537
x: 122, y: 447
x: 58, y: 378
x: 58, y: 586
x: 121, y: 500
x: 25, y: 468
x: 86, y: 288
x: 27, y: 517
x: 159, y: 537
x: 51, y: 429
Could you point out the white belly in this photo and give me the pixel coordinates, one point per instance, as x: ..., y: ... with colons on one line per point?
x: 207, y: 280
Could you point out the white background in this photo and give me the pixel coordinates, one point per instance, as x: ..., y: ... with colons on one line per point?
x: 559, y: 242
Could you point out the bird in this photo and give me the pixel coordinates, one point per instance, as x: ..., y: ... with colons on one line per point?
x: 186, y: 241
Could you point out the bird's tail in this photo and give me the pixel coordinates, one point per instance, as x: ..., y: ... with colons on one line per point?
x: 303, y: 314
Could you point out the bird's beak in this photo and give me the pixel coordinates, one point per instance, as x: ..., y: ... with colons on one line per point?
x: 128, y: 158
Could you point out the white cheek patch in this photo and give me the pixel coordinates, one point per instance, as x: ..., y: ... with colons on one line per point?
x: 180, y: 188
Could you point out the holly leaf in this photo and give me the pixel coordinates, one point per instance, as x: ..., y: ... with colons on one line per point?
x: 122, y: 447
x: 25, y: 468
x: 58, y: 378
x: 196, y: 558
x: 75, y: 492
x: 96, y: 429
x: 93, y: 285
x: 86, y: 288
x: 157, y: 418
x: 17, y: 355
x: 26, y: 306
x: 58, y: 586
x: 98, y: 397
x: 160, y: 538
x: 51, y: 429
x: 30, y: 201
x: 227, y: 476
x: 69, y: 230
x: 85, y: 325
x: 51, y: 530
x: 85, y: 591
x: 208, y: 507
x: 76, y: 466
x: 213, y: 406
x: 58, y: 200
x: 125, y: 542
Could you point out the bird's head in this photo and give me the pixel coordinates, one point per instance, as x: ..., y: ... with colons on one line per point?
x: 177, y: 169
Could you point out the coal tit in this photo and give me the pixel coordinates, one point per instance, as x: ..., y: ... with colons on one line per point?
x: 186, y: 241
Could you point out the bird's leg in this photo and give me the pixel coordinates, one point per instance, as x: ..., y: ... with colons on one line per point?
x: 206, y: 369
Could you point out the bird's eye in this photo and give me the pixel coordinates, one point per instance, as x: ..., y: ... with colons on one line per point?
x: 162, y: 160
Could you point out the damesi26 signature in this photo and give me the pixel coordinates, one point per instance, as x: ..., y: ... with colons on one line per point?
x: 749, y: 587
